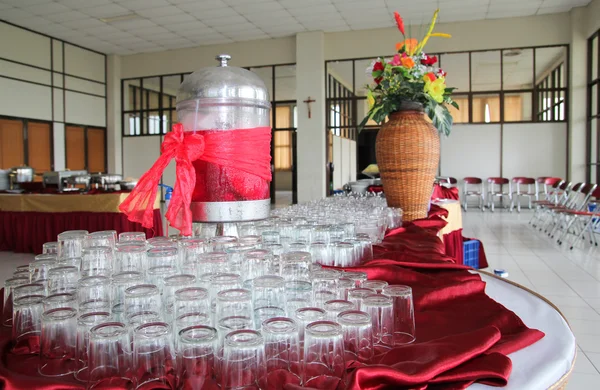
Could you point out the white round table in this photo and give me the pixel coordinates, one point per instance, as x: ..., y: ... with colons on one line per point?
x: 546, y: 363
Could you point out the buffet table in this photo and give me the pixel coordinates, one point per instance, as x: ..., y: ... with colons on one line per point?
x: 29, y: 220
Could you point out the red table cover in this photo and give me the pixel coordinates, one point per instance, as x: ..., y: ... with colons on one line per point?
x: 462, y: 335
x: 442, y: 192
x: 22, y: 231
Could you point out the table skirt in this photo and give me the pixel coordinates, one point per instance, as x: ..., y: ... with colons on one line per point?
x: 28, y: 231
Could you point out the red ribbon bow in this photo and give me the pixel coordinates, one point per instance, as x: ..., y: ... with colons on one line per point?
x: 247, y: 150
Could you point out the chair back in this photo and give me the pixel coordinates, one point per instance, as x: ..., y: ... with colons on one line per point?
x: 553, y: 181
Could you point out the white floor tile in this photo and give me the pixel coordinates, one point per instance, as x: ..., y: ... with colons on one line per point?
x: 584, y: 365
x: 583, y: 381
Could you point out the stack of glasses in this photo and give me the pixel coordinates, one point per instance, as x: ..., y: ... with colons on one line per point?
x: 251, y: 311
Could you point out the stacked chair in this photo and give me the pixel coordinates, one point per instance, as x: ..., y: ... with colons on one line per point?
x: 578, y: 223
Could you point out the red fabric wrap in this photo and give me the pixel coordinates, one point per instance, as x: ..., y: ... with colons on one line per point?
x: 247, y: 150
x: 441, y: 192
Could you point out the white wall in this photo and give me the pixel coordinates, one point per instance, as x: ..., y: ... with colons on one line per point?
x: 36, y: 86
x: 344, y: 161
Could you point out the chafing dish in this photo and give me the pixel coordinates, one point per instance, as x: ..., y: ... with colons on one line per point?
x: 58, y: 179
x: 106, y: 181
x: 17, y: 175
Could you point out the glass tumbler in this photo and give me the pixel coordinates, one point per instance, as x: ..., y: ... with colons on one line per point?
x: 244, y: 361
x: 404, y: 313
x: 102, y: 238
x: 295, y: 266
x: 321, y: 253
x: 298, y: 294
x: 56, y: 301
x: 377, y: 285
x: 154, y: 357
x: 63, y: 280
x: 234, y: 303
x: 282, y: 351
x: 142, y: 297
x: 221, y: 282
x: 85, y: 323
x: 305, y: 316
x: 235, y: 257
x: 257, y: 262
x: 221, y: 243
x: 270, y: 237
x: 27, y: 323
x: 39, y: 267
x: 50, y: 248
x: 381, y: 309
x: 196, y: 357
x: 162, y: 257
x: 343, y: 254
x: 130, y: 258
x: 172, y: 284
x: 356, y: 296
x: 132, y: 236
x: 189, y: 250
x: 335, y: 307
x: 345, y: 284
x: 70, y: 243
x: 191, y: 300
x: 110, y: 357
x: 69, y: 262
x: 58, y: 342
x: 251, y: 242
x: 157, y: 275
x: 212, y: 262
x: 325, y: 285
x: 358, y: 277
x: 94, y: 294
x: 119, y: 283
x: 97, y: 261
x: 7, y: 307
x: 358, y: 335
x: 323, y: 364
x: 268, y: 298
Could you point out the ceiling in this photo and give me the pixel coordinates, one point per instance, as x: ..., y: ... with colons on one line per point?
x: 157, y: 25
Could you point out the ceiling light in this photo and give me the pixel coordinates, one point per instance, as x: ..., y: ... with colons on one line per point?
x: 512, y: 53
x: 120, y: 18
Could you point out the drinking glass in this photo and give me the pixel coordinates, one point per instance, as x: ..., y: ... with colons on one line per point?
x: 212, y: 262
x: 27, y: 323
x: 162, y: 257
x: 321, y: 234
x: 191, y: 300
x: 304, y: 234
x: 377, y: 285
x: 130, y: 258
x: 234, y: 303
x: 394, y: 217
x: 24, y: 290
x: 282, y: 351
x: 324, y: 364
x: 85, y: 323
x: 336, y: 306
x: 96, y: 261
x: 119, y: 283
x: 295, y: 266
x: 268, y: 298
x: 345, y: 284
x: 63, y: 280
x: 56, y: 301
x: 172, y: 284
x: 225, y: 326
x: 349, y: 229
x: 380, y: 308
x: 93, y: 294
x: 132, y: 236
x: 358, y: 277
x: 161, y: 242
x: 305, y: 316
x: 142, y: 297
x: 39, y: 267
x: 244, y: 361
x: 102, y: 238
x: 251, y: 242
x: 367, y: 248
x: 321, y: 253
x: 270, y: 237
x: 297, y: 247
x: 110, y: 357
x: 298, y: 294
x: 221, y: 282
x: 370, y: 227
x: 325, y: 285
x: 247, y: 229
x: 235, y: 257
x: 221, y: 243
x: 70, y: 243
x: 404, y: 314
x: 257, y: 262
x: 7, y: 307
x: 196, y: 357
x: 189, y: 319
x: 356, y: 295
x: 50, y: 248
x: 69, y: 262
x: 58, y: 342
x: 22, y: 268
x: 189, y: 248
x: 22, y: 274
x: 343, y: 254
x: 358, y: 335
x: 336, y: 234
x: 154, y: 357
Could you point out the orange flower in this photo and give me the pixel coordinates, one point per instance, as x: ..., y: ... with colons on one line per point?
x: 409, y: 45
x: 407, y: 62
x: 430, y: 76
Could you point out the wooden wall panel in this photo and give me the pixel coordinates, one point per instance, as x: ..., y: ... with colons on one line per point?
x: 39, y: 146
x: 75, y: 149
x: 12, y: 152
x: 96, y: 150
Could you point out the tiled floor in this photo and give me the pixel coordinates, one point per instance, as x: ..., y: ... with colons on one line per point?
x: 570, y: 279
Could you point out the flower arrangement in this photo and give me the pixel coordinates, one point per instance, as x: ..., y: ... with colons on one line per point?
x: 410, y: 76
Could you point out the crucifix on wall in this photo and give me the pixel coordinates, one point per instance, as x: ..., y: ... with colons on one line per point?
x: 308, y: 101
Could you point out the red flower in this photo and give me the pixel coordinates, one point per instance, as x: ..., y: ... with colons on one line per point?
x: 429, y: 61
x: 399, y: 22
x: 431, y: 76
x: 441, y: 73
x: 378, y: 67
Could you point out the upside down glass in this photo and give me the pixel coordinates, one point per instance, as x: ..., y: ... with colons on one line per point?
x: 97, y: 260
x: 404, y: 314
x: 358, y: 335
x: 244, y: 361
x: 324, y: 364
x: 154, y: 357
x: 7, y: 307
x: 380, y: 308
x: 110, y: 357
x: 268, y: 298
x: 58, y: 342
x: 85, y: 323
x: 282, y: 352
x: 27, y: 324
x: 196, y: 357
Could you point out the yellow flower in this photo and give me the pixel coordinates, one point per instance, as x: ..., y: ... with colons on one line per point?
x: 436, y: 88
x: 370, y: 100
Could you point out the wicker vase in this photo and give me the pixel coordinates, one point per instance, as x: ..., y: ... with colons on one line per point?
x: 408, y: 153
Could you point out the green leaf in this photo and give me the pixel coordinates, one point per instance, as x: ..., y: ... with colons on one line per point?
x: 440, y: 116
x: 455, y: 105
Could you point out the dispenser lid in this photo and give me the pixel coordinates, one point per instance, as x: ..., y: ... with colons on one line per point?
x: 223, y: 84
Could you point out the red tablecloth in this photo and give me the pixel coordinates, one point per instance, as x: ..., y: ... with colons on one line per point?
x: 22, y: 231
x: 442, y: 192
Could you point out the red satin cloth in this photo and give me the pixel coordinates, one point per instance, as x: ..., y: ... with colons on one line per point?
x: 441, y: 192
x: 246, y: 150
x: 28, y: 231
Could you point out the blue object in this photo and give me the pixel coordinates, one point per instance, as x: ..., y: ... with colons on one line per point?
x: 500, y: 272
x: 471, y: 253
x: 168, y: 192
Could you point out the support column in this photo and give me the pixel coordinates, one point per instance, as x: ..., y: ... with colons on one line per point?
x: 577, y: 97
x: 113, y: 115
x: 311, y: 146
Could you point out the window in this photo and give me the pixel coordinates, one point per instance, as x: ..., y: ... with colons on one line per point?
x: 85, y: 148
x: 593, y: 108
x: 283, y: 150
x: 550, y: 94
x: 26, y: 142
x: 341, y: 119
